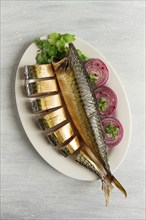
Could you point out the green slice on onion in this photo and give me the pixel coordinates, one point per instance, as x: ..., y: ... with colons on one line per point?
x: 112, y: 130
x: 102, y: 104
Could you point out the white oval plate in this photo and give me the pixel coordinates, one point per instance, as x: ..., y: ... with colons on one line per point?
x: 68, y: 166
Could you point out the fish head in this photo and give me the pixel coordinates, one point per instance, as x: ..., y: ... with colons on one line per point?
x: 60, y: 65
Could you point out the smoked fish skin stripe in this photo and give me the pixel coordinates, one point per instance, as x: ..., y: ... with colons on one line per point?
x: 41, y: 87
x: 38, y: 71
x: 61, y: 135
x: 71, y: 147
x: 45, y: 103
x: 52, y: 119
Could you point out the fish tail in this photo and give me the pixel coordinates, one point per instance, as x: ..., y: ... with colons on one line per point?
x: 119, y: 186
x: 85, y: 160
x: 112, y: 180
x: 107, y: 188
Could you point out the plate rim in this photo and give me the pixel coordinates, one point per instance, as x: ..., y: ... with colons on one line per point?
x: 123, y: 90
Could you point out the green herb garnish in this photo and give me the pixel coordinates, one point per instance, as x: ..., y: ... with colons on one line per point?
x: 112, y: 130
x: 55, y: 47
x: 92, y: 78
x: 83, y: 57
x: 102, y: 104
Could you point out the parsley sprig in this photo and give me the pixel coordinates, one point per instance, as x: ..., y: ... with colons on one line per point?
x: 55, y: 46
x: 83, y: 57
x: 92, y: 78
x: 102, y: 103
x: 112, y: 130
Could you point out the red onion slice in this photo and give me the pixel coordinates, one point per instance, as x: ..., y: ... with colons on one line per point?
x: 113, y: 131
x: 106, y: 99
x: 98, y: 70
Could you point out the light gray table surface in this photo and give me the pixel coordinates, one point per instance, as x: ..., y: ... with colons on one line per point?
x: 32, y: 189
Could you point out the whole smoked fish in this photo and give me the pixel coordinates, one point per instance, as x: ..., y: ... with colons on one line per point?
x: 82, y: 106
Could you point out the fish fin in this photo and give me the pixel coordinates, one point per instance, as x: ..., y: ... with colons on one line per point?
x: 107, y: 188
x: 112, y: 180
x: 119, y: 186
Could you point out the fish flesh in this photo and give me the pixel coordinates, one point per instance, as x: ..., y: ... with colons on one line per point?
x: 71, y: 147
x: 82, y: 106
x: 46, y: 103
x: 41, y: 87
x: 65, y: 139
x: 38, y: 71
x: 70, y: 90
x: 61, y: 135
x: 52, y: 119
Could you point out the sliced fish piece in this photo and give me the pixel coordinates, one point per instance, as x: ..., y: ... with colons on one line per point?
x: 45, y: 103
x: 41, y: 87
x: 61, y: 135
x: 38, y: 71
x: 71, y: 147
x: 52, y: 119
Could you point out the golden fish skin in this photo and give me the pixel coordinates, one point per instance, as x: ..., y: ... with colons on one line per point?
x: 89, y: 103
x: 71, y: 147
x: 61, y: 135
x: 52, y: 119
x: 45, y: 103
x: 41, y: 87
x: 68, y: 85
x: 38, y: 71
